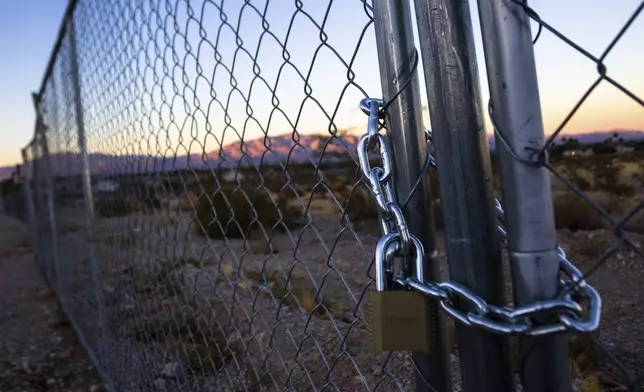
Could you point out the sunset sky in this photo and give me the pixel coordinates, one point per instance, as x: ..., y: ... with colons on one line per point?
x: 28, y: 30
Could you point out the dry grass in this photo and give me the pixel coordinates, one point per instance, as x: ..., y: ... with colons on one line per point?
x: 228, y: 270
x: 573, y: 213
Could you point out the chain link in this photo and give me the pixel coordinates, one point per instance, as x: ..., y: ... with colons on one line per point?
x: 561, y: 314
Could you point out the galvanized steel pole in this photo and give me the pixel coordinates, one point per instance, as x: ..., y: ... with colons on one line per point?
x: 41, y: 129
x: 514, y: 93
x: 87, y: 182
x: 396, y: 51
x: 27, y: 190
x: 464, y: 173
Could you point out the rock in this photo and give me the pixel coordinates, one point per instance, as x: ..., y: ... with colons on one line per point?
x: 576, y: 385
x: 64, y: 372
x: 174, y: 371
x: 25, y: 365
x: 96, y: 388
x: 159, y: 384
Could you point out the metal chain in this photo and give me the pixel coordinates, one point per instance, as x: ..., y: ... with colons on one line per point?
x: 561, y: 314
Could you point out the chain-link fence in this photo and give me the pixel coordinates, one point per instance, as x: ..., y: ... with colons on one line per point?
x: 212, y: 205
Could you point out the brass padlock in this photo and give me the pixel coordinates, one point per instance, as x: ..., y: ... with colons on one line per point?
x: 399, y: 319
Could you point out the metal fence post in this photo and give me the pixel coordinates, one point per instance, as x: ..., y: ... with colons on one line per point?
x: 86, y: 178
x: 41, y: 130
x: 29, y: 198
x: 525, y: 187
x: 396, y: 51
x: 35, y: 197
x: 463, y: 164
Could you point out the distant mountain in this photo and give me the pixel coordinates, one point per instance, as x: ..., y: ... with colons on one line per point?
x: 306, y: 148
x: 273, y: 150
x: 600, y: 136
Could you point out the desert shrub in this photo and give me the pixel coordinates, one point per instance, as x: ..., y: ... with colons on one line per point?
x: 360, y: 205
x: 363, y: 207
x: 290, y: 206
x: 231, y: 209
x: 604, y: 148
x: 607, y: 179
x: 8, y: 186
x: 112, y: 207
x: 573, y: 213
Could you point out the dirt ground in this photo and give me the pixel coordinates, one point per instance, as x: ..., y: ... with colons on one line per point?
x: 158, y: 278
x: 39, y: 351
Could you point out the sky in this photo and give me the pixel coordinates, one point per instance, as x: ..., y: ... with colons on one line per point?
x: 27, y: 33
x: 129, y: 110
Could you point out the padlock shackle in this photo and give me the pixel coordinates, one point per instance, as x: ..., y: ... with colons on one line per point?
x: 384, y: 252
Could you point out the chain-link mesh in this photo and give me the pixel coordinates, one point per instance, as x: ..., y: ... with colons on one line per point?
x: 64, y: 234
x: 197, y: 201
x: 598, y: 213
x: 231, y: 237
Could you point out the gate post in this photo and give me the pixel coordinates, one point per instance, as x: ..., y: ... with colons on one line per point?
x: 525, y: 183
x: 397, y: 57
x: 464, y: 173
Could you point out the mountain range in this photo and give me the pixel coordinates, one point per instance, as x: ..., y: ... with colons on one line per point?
x: 305, y: 148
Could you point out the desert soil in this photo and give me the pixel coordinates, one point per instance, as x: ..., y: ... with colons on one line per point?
x: 162, y: 285
x: 38, y: 348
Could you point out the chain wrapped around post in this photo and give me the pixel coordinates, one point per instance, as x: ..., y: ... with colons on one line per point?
x: 566, y: 311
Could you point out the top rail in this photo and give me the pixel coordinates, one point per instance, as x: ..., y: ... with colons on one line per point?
x: 71, y: 6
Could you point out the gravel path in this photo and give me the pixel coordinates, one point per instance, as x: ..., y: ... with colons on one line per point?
x: 38, y: 348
